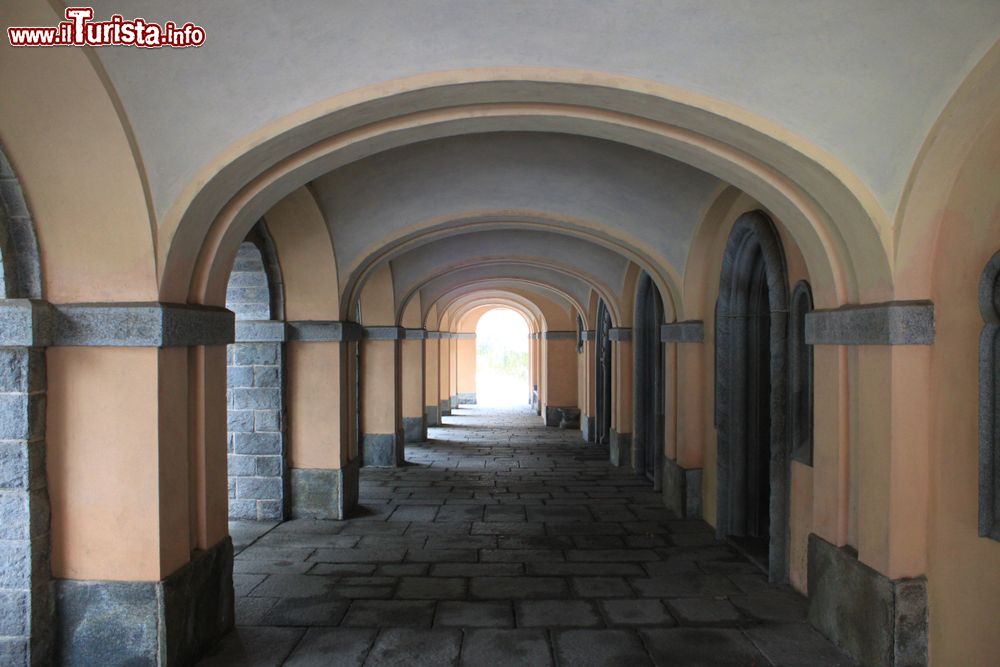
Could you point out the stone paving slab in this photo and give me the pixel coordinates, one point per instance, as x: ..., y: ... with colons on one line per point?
x: 503, y: 542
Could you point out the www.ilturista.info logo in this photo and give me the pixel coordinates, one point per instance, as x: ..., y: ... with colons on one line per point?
x: 80, y: 30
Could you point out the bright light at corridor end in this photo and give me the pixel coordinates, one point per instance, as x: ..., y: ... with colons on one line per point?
x: 502, y: 359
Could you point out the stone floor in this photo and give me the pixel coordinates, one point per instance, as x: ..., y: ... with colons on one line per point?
x: 503, y: 542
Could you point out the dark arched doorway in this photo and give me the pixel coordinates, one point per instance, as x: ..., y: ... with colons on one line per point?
x: 751, y: 377
x: 648, y: 382
x: 602, y: 359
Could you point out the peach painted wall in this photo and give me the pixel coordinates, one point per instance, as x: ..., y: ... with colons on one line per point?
x: 314, y: 385
x: 143, y: 451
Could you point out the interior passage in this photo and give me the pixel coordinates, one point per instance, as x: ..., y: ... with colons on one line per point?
x: 502, y: 542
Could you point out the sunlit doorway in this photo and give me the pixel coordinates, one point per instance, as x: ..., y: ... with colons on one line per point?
x: 502, y: 359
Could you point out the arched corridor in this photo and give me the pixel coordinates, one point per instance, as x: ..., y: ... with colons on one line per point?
x: 752, y: 253
x: 505, y: 542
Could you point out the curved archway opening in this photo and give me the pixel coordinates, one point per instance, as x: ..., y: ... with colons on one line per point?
x: 502, y: 358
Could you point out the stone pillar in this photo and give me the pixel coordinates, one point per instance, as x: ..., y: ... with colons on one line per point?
x: 588, y: 416
x: 682, y: 466
x: 453, y: 370
x: 412, y: 381
x: 559, y: 396
x: 432, y: 379
x: 136, y: 464
x: 26, y: 600
x: 255, y: 387
x: 381, y: 408
x: 465, y: 373
x: 620, y: 446
x: 444, y: 384
x: 322, y: 409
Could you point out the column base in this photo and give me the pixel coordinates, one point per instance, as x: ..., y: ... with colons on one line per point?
x: 445, y: 409
x: 619, y: 447
x: 382, y: 450
x: 432, y: 415
x: 414, y: 429
x: 682, y: 490
x: 466, y: 399
x: 168, y: 622
x: 587, y: 426
x: 876, y: 620
x: 562, y: 417
x: 324, y: 493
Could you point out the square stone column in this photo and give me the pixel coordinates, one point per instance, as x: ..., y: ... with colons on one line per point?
x: 559, y: 395
x: 382, y: 442
x: 620, y: 449
x: 322, y: 414
x: 432, y: 379
x: 444, y: 373
x: 136, y: 463
x: 465, y: 373
x: 412, y: 385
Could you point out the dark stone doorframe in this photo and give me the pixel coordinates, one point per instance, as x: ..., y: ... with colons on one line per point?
x: 753, y: 239
x: 603, y: 370
x: 648, y: 382
x: 26, y: 593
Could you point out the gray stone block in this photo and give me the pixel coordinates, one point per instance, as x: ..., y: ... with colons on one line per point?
x: 256, y: 398
x: 323, y: 331
x: 260, y: 330
x: 382, y: 449
x: 26, y: 323
x: 240, y: 421
x: 16, y: 563
x: 22, y: 370
x: 681, y: 490
x: 324, y: 494
x: 383, y: 333
x: 14, y: 613
x: 239, y: 376
x: 258, y: 443
x: 432, y: 415
x: 266, y: 376
x: 445, y: 407
x: 148, y: 324
x: 414, y: 429
x: 619, y: 447
x: 876, y: 620
x: 259, y: 488
x: 270, y: 510
x: 269, y: 466
x: 242, y: 510
x: 14, y: 652
x: 266, y: 421
x: 466, y: 398
x: 242, y: 466
x: 257, y: 354
x: 892, y: 323
x: 587, y: 426
x: 107, y: 623
x: 692, y: 331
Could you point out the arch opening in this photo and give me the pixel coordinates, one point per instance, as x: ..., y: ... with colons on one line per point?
x: 257, y: 466
x: 502, y: 359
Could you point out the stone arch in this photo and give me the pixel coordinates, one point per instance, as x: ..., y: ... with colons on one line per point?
x: 257, y: 461
x: 989, y: 401
x: 752, y: 363
x: 21, y: 272
x: 800, y: 376
x: 648, y: 383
